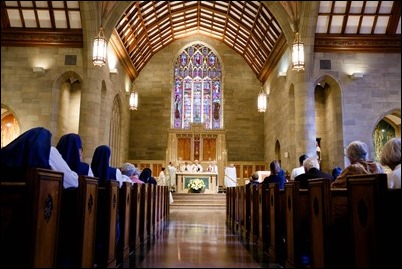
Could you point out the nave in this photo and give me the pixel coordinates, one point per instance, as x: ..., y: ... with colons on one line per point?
x: 197, y: 239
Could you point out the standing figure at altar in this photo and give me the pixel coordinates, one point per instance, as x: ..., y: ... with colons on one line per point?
x: 162, y: 178
x: 172, y: 177
x: 212, y: 167
x: 230, y: 176
x: 186, y: 167
x: 196, y: 167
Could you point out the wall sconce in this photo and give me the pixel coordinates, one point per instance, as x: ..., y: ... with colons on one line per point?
x: 39, y: 70
x: 262, y: 101
x: 281, y: 74
x: 133, y: 101
x: 356, y: 75
x: 113, y: 71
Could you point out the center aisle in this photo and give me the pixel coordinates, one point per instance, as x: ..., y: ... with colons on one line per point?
x: 196, y: 239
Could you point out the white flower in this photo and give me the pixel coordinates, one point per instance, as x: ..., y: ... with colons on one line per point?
x: 196, y: 184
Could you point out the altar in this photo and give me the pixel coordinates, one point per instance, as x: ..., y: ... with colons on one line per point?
x: 210, y: 180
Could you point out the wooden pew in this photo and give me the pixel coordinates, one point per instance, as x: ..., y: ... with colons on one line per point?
x: 136, y: 198
x: 123, y: 245
x: 277, y: 247
x: 143, y: 213
x: 240, y: 209
x: 245, y: 228
x: 230, y: 207
x: 106, y: 224
x: 297, y: 226
x: 330, y: 225
x: 29, y: 220
x: 254, y: 214
x: 264, y: 217
x: 375, y: 220
x: 150, y: 211
x: 76, y: 244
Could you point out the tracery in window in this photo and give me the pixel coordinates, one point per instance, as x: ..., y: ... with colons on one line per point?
x: 197, y: 95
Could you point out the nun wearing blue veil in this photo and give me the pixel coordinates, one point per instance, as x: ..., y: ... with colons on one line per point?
x: 70, y: 147
x: 33, y: 149
x: 101, y: 169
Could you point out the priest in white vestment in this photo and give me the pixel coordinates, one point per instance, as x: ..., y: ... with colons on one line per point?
x: 230, y: 176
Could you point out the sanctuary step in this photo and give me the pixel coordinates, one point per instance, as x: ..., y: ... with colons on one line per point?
x: 198, y: 201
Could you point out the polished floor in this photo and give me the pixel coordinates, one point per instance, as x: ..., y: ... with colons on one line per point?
x: 197, y: 239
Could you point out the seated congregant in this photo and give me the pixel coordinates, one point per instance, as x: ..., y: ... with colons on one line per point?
x: 357, y: 153
x: 391, y: 157
x: 33, y: 149
x: 312, y: 168
x: 146, y: 176
x: 101, y: 168
x: 277, y: 175
x: 70, y: 147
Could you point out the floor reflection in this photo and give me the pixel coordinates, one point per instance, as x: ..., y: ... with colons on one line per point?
x: 197, y: 239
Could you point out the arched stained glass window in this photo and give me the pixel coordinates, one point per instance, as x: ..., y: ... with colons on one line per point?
x: 197, y: 95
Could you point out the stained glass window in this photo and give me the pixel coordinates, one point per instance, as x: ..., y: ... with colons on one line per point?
x: 197, y: 95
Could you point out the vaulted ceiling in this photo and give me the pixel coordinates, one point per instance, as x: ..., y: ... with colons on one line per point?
x: 249, y: 27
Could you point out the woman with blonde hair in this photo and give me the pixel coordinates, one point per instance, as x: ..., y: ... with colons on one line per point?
x: 391, y: 157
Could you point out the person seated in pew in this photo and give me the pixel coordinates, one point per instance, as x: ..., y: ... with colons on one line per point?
x: 298, y: 170
x: 127, y: 171
x: 101, y: 168
x: 136, y: 176
x: 277, y: 175
x: 33, y: 149
x: 70, y: 148
x: 104, y: 172
x: 146, y: 176
x: 391, y: 157
x: 254, y: 180
x: 312, y: 168
x: 357, y: 153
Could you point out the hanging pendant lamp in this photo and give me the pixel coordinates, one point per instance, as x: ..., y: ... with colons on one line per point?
x: 100, y: 45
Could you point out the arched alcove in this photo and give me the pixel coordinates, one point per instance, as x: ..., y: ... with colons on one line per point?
x: 10, y: 127
x: 328, y: 121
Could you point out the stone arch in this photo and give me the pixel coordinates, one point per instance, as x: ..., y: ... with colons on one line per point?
x: 277, y: 152
x: 329, y: 121
x: 115, y: 131
x: 66, y: 108
x: 10, y: 125
x: 379, y: 136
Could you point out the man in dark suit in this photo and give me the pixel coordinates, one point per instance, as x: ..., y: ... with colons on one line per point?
x: 312, y: 168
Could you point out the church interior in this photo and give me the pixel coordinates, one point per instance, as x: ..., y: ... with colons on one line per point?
x: 236, y: 83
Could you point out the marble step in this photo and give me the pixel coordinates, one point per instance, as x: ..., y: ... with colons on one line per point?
x: 197, y: 201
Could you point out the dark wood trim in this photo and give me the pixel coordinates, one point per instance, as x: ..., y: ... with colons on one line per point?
x: 325, y: 43
x: 26, y: 38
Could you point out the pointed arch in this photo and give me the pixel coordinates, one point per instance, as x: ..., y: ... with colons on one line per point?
x: 115, y: 132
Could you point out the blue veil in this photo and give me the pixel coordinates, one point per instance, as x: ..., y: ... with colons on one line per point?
x: 69, y: 147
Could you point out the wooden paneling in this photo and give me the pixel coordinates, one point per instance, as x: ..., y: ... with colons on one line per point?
x: 209, y: 149
x: 184, y: 148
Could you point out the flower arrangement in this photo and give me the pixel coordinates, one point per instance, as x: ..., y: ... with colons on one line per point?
x: 196, y: 184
